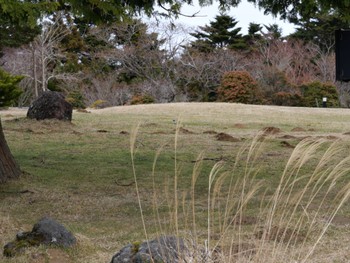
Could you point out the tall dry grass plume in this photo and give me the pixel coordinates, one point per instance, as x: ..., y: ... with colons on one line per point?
x: 242, y: 217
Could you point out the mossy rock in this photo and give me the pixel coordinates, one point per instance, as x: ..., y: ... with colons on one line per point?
x: 159, y: 250
x: 45, y: 232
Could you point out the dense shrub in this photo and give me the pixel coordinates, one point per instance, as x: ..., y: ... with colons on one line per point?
x: 286, y: 99
x: 76, y: 99
x: 141, y: 99
x: 9, y: 90
x: 276, y: 88
x: 238, y: 86
x: 313, y: 93
x: 99, y: 104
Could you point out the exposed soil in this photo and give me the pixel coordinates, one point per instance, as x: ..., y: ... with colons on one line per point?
x: 226, y: 137
x: 298, y: 129
x: 332, y: 137
x: 271, y: 130
x: 185, y: 131
x: 210, y: 132
x: 41, y: 127
x: 286, y: 144
x: 288, y: 137
x: 83, y: 111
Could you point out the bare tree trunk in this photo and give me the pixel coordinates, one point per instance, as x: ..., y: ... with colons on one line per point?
x: 43, y: 69
x: 9, y: 169
x: 35, y: 77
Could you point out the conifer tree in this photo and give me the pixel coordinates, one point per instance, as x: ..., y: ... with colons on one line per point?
x: 220, y: 33
x: 9, y: 91
x: 320, y: 30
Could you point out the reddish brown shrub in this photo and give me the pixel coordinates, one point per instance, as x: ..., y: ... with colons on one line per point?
x: 238, y: 86
x: 141, y: 99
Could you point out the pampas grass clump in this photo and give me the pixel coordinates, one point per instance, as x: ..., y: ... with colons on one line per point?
x: 243, y: 220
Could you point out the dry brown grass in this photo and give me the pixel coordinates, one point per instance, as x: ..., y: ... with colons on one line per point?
x: 82, y: 176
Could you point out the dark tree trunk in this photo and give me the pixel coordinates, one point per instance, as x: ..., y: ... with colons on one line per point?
x: 9, y: 169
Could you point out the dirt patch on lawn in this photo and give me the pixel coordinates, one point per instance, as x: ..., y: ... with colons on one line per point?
x: 186, y: 131
x: 286, y: 144
x: 298, y: 129
x: 210, y: 132
x: 226, y: 137
x: 40, y: 127
x: 271, y: 130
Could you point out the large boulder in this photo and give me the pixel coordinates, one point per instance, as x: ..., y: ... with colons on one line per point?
x: 50, y: 105
x: 164, y: 249
x: 46, y: 232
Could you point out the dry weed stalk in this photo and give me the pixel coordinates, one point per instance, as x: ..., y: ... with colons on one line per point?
x: 287, y: 224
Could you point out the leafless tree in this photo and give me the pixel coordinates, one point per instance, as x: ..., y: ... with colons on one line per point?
x: 36, y: 60
x: 45, y: 48
x: 106, y: 89
x: 199, y: 74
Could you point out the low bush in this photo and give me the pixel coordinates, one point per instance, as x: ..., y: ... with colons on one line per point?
x: 286, y: 99
x: 76, y: 99
x: 99, y: 104
x: 238, y: 86
x: 314, y: 92
x: 9, y: 90
x: 141, y: 99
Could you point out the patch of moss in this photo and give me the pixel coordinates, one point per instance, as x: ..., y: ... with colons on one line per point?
x: 13, y: 248
x: 22, y: 241
x: 135, y: 247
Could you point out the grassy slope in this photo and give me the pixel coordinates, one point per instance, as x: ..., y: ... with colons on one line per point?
x: 81, y: 173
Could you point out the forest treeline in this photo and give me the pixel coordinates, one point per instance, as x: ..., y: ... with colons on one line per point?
x: 126, y: 61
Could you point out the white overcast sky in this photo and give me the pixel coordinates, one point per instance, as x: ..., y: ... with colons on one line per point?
x: 244, y: 14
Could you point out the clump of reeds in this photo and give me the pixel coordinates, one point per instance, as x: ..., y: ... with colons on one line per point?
x: 244, y: 220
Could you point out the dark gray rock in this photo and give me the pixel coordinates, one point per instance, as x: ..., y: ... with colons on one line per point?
x: 52, y: 232
x: 50, y: 105
x: 46, y: 232
x: 166, y: 249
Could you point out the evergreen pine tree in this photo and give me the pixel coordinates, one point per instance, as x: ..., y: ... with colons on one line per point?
x: 221, y: 33
x: 9, y: 91
x: 320, y: 29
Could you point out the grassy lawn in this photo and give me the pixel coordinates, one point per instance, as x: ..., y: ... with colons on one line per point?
x: 81, y: 174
